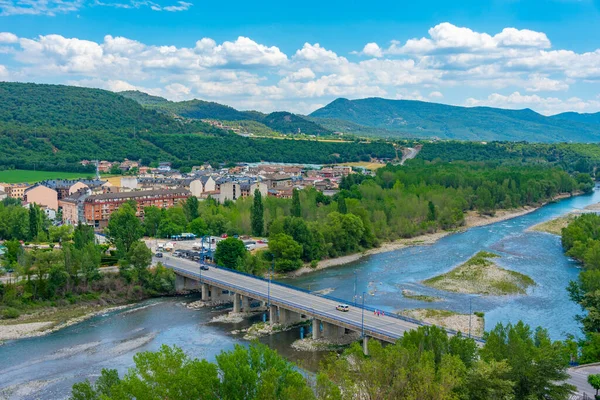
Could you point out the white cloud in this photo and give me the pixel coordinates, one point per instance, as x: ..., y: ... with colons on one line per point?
x: 243, y: 72
x: 7, y: 37
x: 181, y: 6
x: 372, y: 50
x: 3, y: 73
x: 544, y: 105
x: 38, y: 7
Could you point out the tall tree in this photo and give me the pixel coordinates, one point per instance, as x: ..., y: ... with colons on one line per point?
x: 257, y: 214
x: 228, y: 251
x: 341, y: 203
x: 191, y: 208
x: 83, y: 235
x: 35, y: 221
x: 296, y: 206
x: 124, y: 229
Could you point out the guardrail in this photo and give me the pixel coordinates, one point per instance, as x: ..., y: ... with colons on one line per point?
x: 333, y: 298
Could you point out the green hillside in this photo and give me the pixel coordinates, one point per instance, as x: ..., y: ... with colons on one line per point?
x: 579, y: 117
x: 53, y: 127
x: 408, y: 118
x: 283, y: 122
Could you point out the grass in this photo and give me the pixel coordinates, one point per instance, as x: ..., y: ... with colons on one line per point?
x: 421, y: 297
x: 554, y: 226
x: 365, y: 164
x: 28, y: 176
x: 479, y: 275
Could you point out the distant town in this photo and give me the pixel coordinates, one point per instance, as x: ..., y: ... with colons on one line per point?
x: 92, y: 201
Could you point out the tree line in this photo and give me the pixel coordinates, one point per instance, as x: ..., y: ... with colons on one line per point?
x: 515, y: 363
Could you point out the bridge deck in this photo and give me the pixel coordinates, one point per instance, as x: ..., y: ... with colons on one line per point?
x: 387, y: 328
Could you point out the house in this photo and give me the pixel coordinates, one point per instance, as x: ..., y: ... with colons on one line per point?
x: 42, y: 195
x: 278, y: 181
x: 208, y: 183
x: 235, y: 189
x: 164, y: 167
x: 3, y: 195
x: 98, y: 208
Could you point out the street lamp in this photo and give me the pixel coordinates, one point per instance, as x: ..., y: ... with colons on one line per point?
x: 363, y: 314
x: 271, y: 268
x: 355, y: 286
x: 470, y: 314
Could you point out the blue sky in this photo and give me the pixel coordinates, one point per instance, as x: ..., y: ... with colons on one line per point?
x: 270, y: 55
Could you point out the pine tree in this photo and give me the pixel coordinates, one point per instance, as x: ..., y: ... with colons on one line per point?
x: 35, y: 221
x: 342, y: 208
x: 431, y: 213
x: 257, y: 214
x: 296, y: 207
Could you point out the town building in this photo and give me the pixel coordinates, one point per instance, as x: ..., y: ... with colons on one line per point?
x: 14, y: 190
x: 42, y: 196
x: 98, y: 208
x: 73, y: 207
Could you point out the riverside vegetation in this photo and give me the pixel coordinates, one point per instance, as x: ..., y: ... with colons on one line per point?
x: 479, y: 275
x: 63, y: 280
x: 514, y: 363
x: 581, y: 240
x: 398, y: 202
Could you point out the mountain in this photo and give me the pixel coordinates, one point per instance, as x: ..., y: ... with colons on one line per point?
x: 578, y: 117
x: 409, y: 118
x: 283, y: 122
x: 53, y: 127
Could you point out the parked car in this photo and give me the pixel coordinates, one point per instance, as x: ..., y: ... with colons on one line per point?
x: 158, y: 255
x: 343, y: 307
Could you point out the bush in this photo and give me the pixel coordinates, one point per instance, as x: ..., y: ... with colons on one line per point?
x: 10, y: 313
x: 480, y: 314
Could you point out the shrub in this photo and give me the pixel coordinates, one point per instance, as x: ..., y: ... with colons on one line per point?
x: 10, y: 313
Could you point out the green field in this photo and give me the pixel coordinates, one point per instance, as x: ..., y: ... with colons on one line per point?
x: 19, y: 175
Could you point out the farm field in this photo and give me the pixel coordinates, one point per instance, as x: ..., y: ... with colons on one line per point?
x: 29, y: 176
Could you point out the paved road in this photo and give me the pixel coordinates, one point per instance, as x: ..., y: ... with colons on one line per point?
x: 314, y: 305
x: 579, y: 378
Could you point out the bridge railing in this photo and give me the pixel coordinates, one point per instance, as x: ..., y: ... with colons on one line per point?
x: 325, y: 296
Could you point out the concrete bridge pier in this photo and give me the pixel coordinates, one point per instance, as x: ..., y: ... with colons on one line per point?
x: 331, y: 331
x: 183, y: 283
x: 245, y: 303
x: 205, y: 290
x: 236, y: 303
x: 316, y: 329
x: 273, y: 315
x: 287, y: 317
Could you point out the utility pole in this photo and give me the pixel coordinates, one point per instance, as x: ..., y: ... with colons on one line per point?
x: 363, y: 314
x: 355, y: 285
x: 470, y: 314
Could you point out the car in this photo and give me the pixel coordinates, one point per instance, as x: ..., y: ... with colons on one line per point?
x: 204, y: 267
x: 342, y: 307
x: 158, y: 255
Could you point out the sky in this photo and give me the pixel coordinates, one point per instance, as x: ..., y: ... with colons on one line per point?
x: 299, y: 56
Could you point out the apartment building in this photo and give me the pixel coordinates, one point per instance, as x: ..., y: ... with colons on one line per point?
x: 98, y: 208
x: 14, y: 190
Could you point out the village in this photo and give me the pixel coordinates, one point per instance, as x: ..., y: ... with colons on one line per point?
x: 92, y: 201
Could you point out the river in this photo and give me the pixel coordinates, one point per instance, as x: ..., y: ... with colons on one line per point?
x: 46, y: 367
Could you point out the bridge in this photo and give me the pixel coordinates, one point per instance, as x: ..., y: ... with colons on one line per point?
x: 288, y: 305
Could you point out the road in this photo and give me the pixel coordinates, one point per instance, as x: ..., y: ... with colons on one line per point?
x: 579, y: 378
x: 391, y: 328
x: 409, y: 154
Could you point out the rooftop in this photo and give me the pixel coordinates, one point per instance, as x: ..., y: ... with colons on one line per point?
x: 143, y: 193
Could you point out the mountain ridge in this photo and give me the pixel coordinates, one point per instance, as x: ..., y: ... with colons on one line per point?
x: 414, y: 118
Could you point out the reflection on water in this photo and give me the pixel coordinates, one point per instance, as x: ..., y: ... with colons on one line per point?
x: 46, y: 367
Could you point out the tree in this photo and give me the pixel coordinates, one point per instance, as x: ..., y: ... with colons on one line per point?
x: 12, y: 253
x: 254, y: 372
x: 257, y: 214
x: 287, y: 252
x: 88, y: 259
x: 594, y: 381
x: 431, y: 213
x: 190, y: 208
x: 296, y: 206
x: 35, y: 221
x: 198, y: 227
x: 140, y: 258
x: 152, y: 218
x: 82, y: 235
x: 537, y: 365
x: 60, y: 234
x: 341, y: 203
x: 124, y: 229
x: 228, y: 251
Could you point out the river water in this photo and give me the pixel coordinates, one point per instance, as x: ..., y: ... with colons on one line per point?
x: 46, y: 367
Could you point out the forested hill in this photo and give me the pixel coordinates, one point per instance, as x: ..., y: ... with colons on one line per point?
x: 404, y: 118
x: 579, y: 117
x: 283, y: 122
x: 53, y: 127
